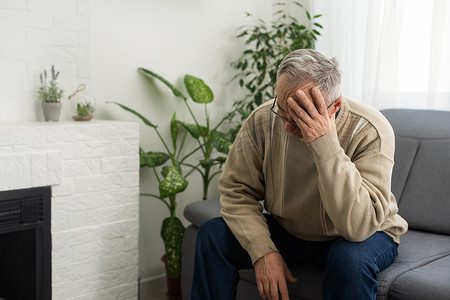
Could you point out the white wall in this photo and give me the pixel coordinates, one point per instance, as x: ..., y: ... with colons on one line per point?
x: 172, y: 38
x: 34, y: 34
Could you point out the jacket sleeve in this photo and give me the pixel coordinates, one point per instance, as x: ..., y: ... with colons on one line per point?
x: 356, y: 192
x: 241, y: 186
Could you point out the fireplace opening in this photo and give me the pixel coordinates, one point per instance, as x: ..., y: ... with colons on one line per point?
x: 25, y: 244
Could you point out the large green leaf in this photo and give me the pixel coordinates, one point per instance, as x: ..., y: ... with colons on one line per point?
x: 151, y: 74
x: 194, y: 130
x: 152, y: 159
x: 144, y: 119
x: 221, y: 142
x: 198, y: 90
x: 172, y: 232
x: 173, y: 183
x: 165, y: 170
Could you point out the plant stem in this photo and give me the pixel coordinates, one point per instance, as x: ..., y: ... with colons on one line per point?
x: 213, y: 175
x: 206, y: 183
x: 206, y: 117
x: 189, y: 154
x: 182, y: 145
x: 191, y: 113
x: 156, y: 175
x: 162, y: 140
x: 173, y: 205
x: 193, y: 168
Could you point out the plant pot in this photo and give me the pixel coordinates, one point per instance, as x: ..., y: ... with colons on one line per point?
x: 173, y: 284
x: 51, y: 110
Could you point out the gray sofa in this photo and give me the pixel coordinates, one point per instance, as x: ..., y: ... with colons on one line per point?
x: 421, y: 184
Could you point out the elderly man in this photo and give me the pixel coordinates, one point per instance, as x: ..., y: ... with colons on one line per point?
x: 323, y: 165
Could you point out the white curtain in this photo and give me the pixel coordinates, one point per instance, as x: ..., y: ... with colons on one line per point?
x: 393, y: 53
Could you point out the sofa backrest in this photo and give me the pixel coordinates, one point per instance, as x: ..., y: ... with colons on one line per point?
x: 421, y: 175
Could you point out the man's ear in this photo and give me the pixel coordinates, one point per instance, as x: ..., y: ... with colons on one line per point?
x: 337, y: 105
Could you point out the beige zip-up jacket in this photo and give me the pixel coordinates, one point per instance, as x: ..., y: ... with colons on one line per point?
x: 338, y: 185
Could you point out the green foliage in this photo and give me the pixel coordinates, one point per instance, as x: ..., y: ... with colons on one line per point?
x: 152, y: 159
x: 266, y: 44
x: 210, y: 143
x: 173, y: 182
x: 198, y: 90
x: 85, y: 109
x: 49, y: 91
x: 208, y: 138
x: 172, y: 232
x: 151, y: 74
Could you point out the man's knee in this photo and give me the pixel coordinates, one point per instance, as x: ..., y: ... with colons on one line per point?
x: 350, y: 272
x: 212, y: 233
x: 374, y: 254
x: 349, y: 256
x: 211, y: 228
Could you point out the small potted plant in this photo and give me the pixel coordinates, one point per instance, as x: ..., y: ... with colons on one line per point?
x: 50, y: 95
x: 83, y: 105
x: 85, y: 108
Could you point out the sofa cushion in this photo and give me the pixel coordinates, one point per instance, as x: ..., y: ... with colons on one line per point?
x: 422, y: 167
x: 417, y: 249
x: 419, y: 124
x: 405, y: 152
x: 425, y: 200
x: 431, y: 281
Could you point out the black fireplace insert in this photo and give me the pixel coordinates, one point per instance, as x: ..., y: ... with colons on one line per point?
x: 25, y: 244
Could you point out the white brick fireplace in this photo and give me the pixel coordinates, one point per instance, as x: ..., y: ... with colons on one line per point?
x: 93, y: 168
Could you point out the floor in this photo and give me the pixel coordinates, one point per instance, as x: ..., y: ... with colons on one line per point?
x: 157, y: 296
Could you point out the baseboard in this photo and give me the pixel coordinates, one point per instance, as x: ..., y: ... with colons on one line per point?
x: 152, y: 285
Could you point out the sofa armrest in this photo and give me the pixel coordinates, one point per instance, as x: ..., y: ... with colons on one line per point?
x: 197, y: 213
x: 201, y: 211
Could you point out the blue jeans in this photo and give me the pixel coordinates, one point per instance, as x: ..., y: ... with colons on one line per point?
x: 351, y: 269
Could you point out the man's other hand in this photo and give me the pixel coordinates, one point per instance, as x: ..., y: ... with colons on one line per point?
x: 271, y: 274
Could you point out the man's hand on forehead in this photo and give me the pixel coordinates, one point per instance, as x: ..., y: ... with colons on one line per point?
x: 310, y: 115
x: 303, y: 97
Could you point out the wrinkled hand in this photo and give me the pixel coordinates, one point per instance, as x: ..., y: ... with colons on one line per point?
x: 271, y: 273
x: 312, y: 120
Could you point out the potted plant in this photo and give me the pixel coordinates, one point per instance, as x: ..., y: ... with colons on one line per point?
x: 171, y: 182
x: 266, y: 44
x: 168, y: 167
x: 50, y: 95
x: 83, y: 105
x: 85, y: 108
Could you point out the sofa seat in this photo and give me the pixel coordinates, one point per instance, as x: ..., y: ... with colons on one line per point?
x: 421, y: 268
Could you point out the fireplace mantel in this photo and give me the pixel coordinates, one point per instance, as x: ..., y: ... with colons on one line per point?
x: 93, y: 169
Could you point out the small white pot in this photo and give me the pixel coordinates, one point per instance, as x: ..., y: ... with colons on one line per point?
x: 52, y: 111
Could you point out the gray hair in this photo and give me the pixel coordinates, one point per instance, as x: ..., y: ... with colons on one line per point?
x: 305, y: 65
